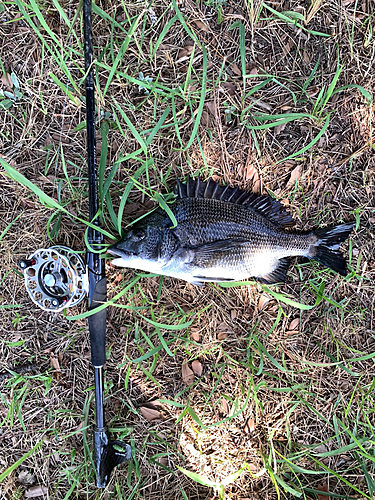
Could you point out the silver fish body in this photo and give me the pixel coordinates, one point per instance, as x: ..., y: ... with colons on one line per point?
x: 224, y: 234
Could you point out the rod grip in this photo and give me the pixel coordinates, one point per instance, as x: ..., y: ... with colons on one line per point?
x: 97, y: 323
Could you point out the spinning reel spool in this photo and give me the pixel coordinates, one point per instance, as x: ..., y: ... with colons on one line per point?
x: 55, y: 278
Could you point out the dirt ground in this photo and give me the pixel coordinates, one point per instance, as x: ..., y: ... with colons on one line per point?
x: 253, y: 396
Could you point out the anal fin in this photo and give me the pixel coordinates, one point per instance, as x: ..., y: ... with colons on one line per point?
x: 278, y: 275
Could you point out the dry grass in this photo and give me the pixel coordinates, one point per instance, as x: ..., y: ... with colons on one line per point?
x: 279, y: 390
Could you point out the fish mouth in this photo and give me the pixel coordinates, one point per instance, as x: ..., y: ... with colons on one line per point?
x: 117, y: 253
x: 122, y: 258
x: 120, y: 253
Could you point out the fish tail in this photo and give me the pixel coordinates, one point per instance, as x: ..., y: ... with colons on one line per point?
x: 327, y: 247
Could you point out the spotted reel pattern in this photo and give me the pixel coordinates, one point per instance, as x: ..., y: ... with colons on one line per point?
x: 55, y: 278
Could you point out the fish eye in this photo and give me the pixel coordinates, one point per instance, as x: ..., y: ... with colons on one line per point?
x: 138, y: 234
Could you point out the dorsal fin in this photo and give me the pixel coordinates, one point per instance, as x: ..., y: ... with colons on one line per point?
x: 263, y: 204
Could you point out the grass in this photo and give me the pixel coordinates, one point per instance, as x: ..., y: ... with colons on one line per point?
x: 284, y: 405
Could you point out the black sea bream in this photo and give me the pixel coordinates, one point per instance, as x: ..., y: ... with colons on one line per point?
x: 225, y: 234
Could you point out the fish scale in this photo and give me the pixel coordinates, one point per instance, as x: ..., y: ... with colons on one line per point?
x: 225, y: 234
x: 204, y: 220
x: 201, y: 221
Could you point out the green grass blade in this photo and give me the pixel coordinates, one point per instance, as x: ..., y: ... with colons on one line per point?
x: 46, y: 200
x: 175, y: 121
x: 329, y: 495
x: 331, y: 87
x: 289, y: 19
x: 366, y: 94
x: 132, y: 128
x: 62, y: 13
x: 121, y: 53
x: 127, y: 190
x: 104, y: 129
x: 341, y: 450
x: 63, y: 163
x: 75, y: 100
x: 157, y: 127
x: 151, y: 353
x: 201, y: 101
x: 280, y: 120
x: 101, y: 13
x: 198, y: 478
x: 165, y: 326
x: 287, y: 487
x: 271, y: 358
x: 312, y: 75
x: 164, y: 205
x: 310, y: 144
x: 162, y: 90
x: 21, y: 179
x: 282, y: 298
x: 52, y: 48
x: 163, y: 342
x: 183, y: 22
x: 16, y: 464
x: 43, y: 23
x: 188, y: 72
x: 10, y: 225
x: 340, y: 478
x: 165, y: 30
x: 288, y: 116
x: 233, y: 477
x: 110, y: 302
x: 242, y: 53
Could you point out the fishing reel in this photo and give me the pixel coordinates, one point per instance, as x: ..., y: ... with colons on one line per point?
x: 55, y: 278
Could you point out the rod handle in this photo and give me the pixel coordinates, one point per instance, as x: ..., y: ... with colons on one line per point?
x: 97, y: 323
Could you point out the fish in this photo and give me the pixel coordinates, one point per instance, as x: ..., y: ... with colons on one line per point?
x: 225, y: 234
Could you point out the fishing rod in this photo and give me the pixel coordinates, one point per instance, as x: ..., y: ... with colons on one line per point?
x: 57, y: 278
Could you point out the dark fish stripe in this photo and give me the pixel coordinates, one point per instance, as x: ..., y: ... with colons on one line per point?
x: 200, y: 188
x: 210, y: 186
x: 190, y: 187
x: 181, y: 189
x: 215, y: 190
x: 234, y: 196
x: 226, y: 193
x: 241, y: 198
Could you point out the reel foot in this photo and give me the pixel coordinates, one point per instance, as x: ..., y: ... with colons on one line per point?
x: 108, y: 454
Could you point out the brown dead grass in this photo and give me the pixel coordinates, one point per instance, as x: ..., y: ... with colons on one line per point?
x: 288, y: 408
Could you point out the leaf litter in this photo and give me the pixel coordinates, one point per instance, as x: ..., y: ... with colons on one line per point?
x: 150, y: 414
x: 187, y: 374
x: 197, y: 367
x: 26, y: 478
x: 36, y: 492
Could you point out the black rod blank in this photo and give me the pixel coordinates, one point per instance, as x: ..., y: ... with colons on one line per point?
x: 107, y: 454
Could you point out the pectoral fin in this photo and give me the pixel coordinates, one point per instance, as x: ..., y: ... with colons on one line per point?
x: 210, y: 255
x: 217, y: 246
